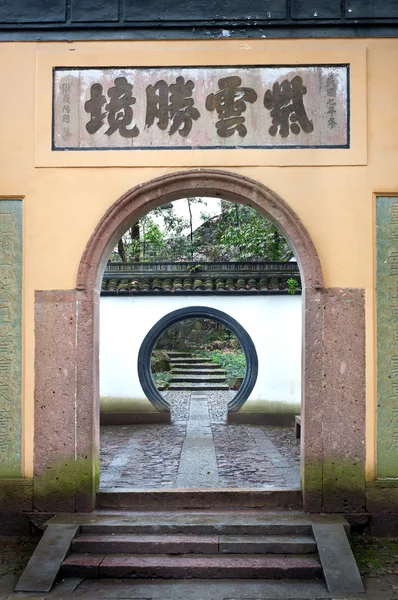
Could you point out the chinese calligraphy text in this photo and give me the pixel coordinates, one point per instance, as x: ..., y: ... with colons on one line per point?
x: 200, y: 107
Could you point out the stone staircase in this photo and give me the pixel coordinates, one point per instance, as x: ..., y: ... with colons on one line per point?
x: 240, y: 545
x: 190, y: 373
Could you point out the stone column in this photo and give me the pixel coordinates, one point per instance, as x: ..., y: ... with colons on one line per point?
x: 344, y: 403
x: 66, y: 401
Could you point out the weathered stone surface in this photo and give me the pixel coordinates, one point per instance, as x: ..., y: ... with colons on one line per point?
x: 66, y: 401
x: 344, y: 401
x: 227, y: 566
x: 312, y: 400
x: 81, y: 565
x: 16, y: 495
x: 42, y: 568
x: 10, y: 337
x: 387, y: 335
x: 255, y: 544
x: 87, y: 406
x: 55, y: 406
x: 115, y: 499
x: 197, y: 522
x: 93, y: 589
x: 338, y: 563
x: 146, y: 544
x: 382, y: 497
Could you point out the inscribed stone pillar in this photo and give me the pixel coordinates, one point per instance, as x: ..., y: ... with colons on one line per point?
x: 10, y: 337
x: 387, y: 335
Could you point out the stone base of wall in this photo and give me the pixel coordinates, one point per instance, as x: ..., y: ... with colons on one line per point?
x: 260, y: 418
x: 130, y: 418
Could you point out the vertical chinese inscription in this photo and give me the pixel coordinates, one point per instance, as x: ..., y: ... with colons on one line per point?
x: 387, y: 335
x: 10, y: 337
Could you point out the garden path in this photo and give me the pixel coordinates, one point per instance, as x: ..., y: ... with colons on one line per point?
x: 199, y: 450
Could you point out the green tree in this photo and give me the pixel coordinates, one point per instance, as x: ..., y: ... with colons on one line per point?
x: 241, y: 233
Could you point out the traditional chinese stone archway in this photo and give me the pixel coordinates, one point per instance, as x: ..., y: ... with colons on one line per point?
x: 333, y: 405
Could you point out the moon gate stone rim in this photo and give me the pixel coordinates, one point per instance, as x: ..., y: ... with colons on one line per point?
x: 192, y: 312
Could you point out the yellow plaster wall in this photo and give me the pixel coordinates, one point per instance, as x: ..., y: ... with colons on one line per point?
x: 63, y: 205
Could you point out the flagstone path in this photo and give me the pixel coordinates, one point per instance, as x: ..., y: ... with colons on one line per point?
x: 199, y: 450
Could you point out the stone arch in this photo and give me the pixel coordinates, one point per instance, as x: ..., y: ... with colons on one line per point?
x: 73, y: 316
x: 237, y: 188
x: 200, y: 182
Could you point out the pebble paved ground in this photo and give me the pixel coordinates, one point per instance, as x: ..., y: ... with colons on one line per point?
x: 156, y: 456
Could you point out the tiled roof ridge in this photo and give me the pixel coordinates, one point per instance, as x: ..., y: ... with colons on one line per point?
x: 201, y: 278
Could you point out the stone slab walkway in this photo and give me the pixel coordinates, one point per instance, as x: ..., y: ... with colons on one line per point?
x: 199, y: 450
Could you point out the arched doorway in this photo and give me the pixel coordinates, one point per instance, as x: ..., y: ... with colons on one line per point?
x: 80, y: 471
x: 144, y: 356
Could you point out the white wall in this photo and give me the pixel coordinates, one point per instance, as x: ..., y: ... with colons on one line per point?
x: 273, y: 323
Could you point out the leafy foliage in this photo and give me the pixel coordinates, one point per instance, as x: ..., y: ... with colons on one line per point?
x: 233, y: 362
x: 162, y: 378
x: 292, y: 285
x: 239, y: 233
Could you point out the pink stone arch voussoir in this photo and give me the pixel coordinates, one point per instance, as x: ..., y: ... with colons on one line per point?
x: 196, y: 182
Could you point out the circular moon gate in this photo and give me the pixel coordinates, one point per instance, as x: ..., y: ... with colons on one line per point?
x: 147, y: 346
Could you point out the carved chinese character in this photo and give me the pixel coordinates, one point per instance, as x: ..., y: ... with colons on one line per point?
x: 331, y: 85
x: 5, y: 343
x: 4, y: 448
x: 6, y: 248
x: 394, y: 441
x: 118, y: 110
x: 174, y: 103
x: 5, y: 365
x: 230, y: 103
x: 394, y: 419
x: 393, y: 263
x: 4, y: 315
x: 4, y: 397
x: 394, y: 214
x: 394, y: 367
x: 120, y: 113
x: 94, y: 107
x: 5, y: 421
x: 332, y: 123
x: 286, y: 104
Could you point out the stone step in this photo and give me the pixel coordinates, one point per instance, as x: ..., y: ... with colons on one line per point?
x: 236, y: 545
x: 189, y: 387
x: 201, y: 365
x: 179, y: 500
x: 192, y: 566
x: 190, y: 371
x: 195, y: 544
x: 173, y: 355
x: 267, y: 544
x: 191, y: 360
x: 194, y: 522
x: 197, y: 378
x: 145, y: 544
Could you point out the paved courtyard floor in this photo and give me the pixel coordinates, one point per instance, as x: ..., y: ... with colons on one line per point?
x: 199, y: 450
